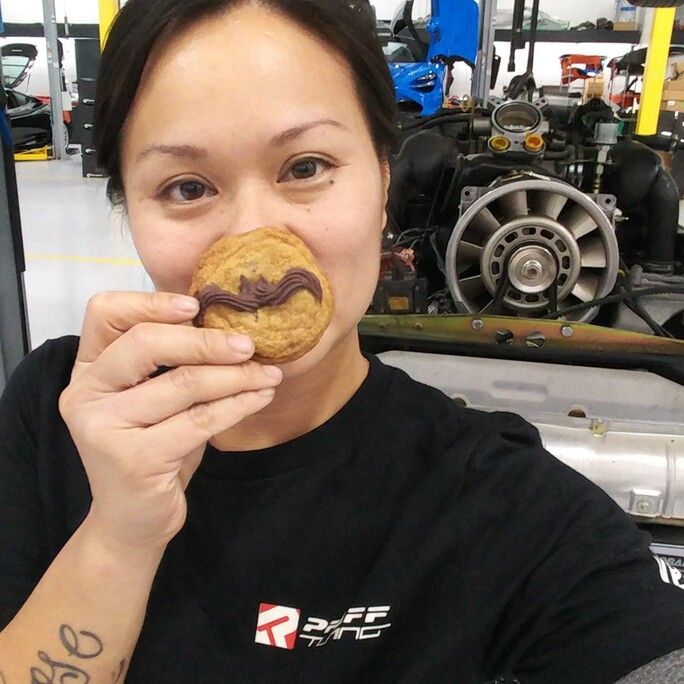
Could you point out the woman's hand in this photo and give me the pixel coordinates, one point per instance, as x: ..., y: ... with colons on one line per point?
x: 141, y: 440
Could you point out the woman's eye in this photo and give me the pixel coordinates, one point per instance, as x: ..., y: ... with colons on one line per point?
x: 306, y: 169
x: 188, y: 191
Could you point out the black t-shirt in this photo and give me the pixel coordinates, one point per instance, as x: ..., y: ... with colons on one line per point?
x: 406, y: 540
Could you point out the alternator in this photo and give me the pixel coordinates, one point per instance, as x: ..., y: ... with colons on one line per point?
x: 530, y: 245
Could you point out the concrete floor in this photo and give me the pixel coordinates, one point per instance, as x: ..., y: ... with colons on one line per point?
x: 75, y: 246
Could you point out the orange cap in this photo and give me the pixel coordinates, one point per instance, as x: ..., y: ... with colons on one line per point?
x: 534, y: 142
x: 499, y: 143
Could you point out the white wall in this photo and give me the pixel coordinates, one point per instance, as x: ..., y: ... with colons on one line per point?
x: 576, y: 11
x: 386, y: 8
x: 31, y: 11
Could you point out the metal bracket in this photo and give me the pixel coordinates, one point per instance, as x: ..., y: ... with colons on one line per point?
x: 645, y: 502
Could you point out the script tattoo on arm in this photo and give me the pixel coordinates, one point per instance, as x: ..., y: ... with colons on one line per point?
x: 84, y: 646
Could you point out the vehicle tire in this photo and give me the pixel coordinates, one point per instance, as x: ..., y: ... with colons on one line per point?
x: 656, y: 3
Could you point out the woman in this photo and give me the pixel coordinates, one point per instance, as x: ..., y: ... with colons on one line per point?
x: 328, y: 521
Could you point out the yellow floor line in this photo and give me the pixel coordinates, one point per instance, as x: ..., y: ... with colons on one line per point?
x: 32, y: 256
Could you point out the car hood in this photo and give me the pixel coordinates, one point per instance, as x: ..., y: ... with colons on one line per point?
x: 17, y: 61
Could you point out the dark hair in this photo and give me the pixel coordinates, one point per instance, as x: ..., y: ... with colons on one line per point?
x: 344, y: 25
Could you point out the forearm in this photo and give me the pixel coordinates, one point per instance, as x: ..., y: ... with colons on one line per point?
x: 85, y: 616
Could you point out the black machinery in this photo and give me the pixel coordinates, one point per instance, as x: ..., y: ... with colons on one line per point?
x: 528, y: 212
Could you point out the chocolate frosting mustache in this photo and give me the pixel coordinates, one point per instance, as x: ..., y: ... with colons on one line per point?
x: 254, y: 295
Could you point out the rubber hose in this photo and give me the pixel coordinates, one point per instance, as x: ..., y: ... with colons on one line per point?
x: 641, y: 184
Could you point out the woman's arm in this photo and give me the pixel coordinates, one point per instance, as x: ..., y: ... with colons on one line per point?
x: 140, y: 439
x: 85, y: 616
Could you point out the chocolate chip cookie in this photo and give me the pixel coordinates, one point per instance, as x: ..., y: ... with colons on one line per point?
x: 265, y: 284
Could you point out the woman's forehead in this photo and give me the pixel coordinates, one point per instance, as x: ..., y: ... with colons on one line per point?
x: 251, y: 49
x: 239, y: 69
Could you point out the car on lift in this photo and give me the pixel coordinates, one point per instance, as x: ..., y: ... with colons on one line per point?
x: 29, y: 117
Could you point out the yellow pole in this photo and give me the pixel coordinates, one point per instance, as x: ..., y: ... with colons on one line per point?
x: 108, y: 10
x: 655, y: 71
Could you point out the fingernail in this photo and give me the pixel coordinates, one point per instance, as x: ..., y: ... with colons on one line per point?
x: 268, y: 392
x: 241, y: 343
x: 273, y: 372
x: 185, y: 304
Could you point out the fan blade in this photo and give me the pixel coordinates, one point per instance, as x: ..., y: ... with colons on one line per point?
x: 587, y: 286
x: 484, y: 225
x: 578, y: 222
x: 550, y: 204
x: 472, y: 287
x: 468, y: 253
x: 514, y: 204
x: 593, y: 253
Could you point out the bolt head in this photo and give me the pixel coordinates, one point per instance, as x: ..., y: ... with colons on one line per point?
x: 477, y: 324
x: 532, y: 269
x: 644, y: 506
x: 536, y: 341
x: 504, y: 337
x: 598, y: 427
x: 567, y: 331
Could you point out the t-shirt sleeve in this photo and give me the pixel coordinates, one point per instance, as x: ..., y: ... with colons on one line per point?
x: 586, y: 600
x: 21, y: 518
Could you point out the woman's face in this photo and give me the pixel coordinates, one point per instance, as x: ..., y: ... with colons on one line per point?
x: 247, y: 121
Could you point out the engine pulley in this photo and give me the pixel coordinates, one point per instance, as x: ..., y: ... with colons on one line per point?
x: 530, y: 245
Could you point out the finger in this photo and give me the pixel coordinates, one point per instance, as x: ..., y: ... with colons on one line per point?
x: 111, y: 314
x: 187, y: 431
x: 137, y: 354
x: 154, y: 401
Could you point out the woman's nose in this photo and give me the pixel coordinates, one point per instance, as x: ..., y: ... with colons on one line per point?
x: 252, y: 208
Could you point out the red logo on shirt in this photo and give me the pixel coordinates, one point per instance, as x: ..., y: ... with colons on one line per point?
x: 277, y: 626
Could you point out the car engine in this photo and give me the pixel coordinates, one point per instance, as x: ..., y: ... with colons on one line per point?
x: 533, y: 210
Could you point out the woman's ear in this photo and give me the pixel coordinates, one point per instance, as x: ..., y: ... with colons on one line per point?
x: 386, y: 177
x: 386, y: 180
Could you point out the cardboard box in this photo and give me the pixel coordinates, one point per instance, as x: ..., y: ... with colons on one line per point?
x: 593, y: 87
x: 625, y: 26
x: 673, y: 105
x: 673, y: 90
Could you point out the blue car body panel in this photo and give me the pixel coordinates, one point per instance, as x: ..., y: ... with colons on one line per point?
x: 421, y: 83
x: 453, y: 29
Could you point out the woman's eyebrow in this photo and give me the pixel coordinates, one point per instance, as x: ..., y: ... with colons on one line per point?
x: 194, y: 152
x: 294, y: 132
x: 187, y: 151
